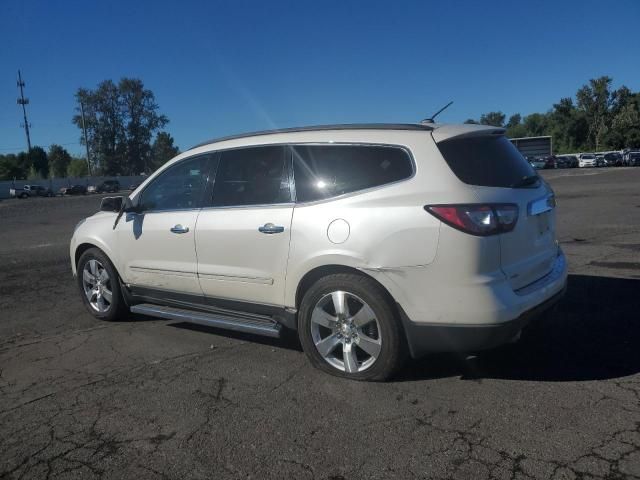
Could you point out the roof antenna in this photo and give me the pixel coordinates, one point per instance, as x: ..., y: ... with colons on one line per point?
x: 432, y: 117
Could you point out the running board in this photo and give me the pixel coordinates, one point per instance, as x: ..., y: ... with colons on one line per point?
x: 248, y: 324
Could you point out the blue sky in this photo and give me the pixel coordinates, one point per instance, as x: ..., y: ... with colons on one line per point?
x: 218, y: 68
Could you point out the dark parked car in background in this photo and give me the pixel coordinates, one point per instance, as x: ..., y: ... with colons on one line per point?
x: 75, y: 190
x: 613, y: 159
x: 633, y: 159
x: 108, y: 186
x: 545, y: 162
x: 566, y: 161
x: 600, y: 161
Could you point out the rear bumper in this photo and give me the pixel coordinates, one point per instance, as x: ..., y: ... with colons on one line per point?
x: 526, y: 304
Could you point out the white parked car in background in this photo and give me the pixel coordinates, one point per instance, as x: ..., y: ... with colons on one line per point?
x: 587, y: 160
x: 372, y: 241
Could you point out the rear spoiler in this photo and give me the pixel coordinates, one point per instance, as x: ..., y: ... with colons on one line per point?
x: 447, y: 132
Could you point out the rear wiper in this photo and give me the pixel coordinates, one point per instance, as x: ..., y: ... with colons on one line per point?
x: 525, y: 181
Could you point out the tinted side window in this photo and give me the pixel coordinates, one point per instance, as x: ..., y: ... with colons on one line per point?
x: 330, y: 170
x: 487, y: 161
x: 179, y: 187
x: 252, y: 176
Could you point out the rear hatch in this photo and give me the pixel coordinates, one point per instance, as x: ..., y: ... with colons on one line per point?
x: 488, y: 162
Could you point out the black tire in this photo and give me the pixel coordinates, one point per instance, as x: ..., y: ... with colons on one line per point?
x: 393, y: 350
x: 118, y: 308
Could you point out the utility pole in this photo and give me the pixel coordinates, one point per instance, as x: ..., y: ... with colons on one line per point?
x: 86, y: 142
x: 24, y: 101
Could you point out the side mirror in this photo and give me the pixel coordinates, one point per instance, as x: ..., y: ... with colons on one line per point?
x: 126, y: 206
x: 111, y: 204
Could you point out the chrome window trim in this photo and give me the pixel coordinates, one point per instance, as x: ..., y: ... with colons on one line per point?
x: 261, y: 205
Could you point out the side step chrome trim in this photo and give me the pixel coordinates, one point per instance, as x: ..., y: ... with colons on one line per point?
x: 249, y: 324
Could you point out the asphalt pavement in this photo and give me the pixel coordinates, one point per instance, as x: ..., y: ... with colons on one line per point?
x: 147, y: 398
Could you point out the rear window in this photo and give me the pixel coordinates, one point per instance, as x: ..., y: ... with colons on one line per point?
x: 486, y: 161
x: 325, y: 171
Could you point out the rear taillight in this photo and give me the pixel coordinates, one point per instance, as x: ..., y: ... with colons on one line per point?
x: 477, y: 219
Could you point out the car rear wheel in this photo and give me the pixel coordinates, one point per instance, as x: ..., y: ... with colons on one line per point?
x: 348, y: 328
x: 100, y: 286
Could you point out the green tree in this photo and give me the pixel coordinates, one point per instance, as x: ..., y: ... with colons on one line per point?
x: 104, y: 124
x: 163, y: 150
x: 514, y: 126
x: 471, y: 121
x: 625, y: 120
x: 11, y: 167
x: 120, y: 120
x: 39, y: 162
x: 141, y: 120
x: 495, y: 119
x: 77, y: 168
x: 595, y: 101
x: 535, y: 124
x: 59, y: 160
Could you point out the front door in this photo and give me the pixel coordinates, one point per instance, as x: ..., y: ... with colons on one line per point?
x: 158, y: 244
x: 242, y: 239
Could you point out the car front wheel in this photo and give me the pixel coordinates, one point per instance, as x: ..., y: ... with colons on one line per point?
x: 100, y: 286
x: 348, y: 328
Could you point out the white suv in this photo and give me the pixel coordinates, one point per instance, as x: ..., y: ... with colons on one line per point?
x: 372, y: 241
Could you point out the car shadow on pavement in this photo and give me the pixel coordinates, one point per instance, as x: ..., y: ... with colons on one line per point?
x: 593, y: 334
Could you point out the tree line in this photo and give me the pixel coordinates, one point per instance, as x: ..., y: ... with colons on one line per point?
x: 600, y: 118
x: 39, y: 164
x: 124, y: 136
x: 125, y: 131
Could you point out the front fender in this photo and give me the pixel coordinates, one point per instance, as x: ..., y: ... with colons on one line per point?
x: 96, y: 231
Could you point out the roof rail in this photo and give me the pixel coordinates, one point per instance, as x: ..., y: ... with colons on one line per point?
x: 347, y: 126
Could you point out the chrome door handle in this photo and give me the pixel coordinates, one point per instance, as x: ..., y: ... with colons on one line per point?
x: 270, y: 228
x: 179, y: 229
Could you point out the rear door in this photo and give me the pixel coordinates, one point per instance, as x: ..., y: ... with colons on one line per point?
x: 242, y: 238
x: 500, y: 174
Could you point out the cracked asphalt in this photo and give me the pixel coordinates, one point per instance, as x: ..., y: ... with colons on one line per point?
x: 147, y: 398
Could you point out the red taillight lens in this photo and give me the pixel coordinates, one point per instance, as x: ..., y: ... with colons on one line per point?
x: 482, y: 220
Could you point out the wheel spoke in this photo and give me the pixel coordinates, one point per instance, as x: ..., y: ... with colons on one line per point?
x: 321, y: 317
x: 328, y: 344
x: 100, y: 302
x: 107, y: 295
x: 340, y: 303
x: 350, y: 359
x: 90, y: 293
x: 103, y: 276
x: 364, y: 316
x: 93, y: 266
x: 369, y: 345
x: 88, y: 277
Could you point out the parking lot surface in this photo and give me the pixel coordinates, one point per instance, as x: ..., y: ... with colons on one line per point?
x: 148, y: 398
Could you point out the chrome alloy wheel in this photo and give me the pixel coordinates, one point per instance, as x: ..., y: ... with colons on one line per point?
x: 97, y: 286
x: 346, y: 332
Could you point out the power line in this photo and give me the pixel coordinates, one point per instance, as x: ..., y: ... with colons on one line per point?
x: 24, y: 102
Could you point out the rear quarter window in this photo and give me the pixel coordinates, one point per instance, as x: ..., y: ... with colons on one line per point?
x: 486, y: 161
x: 325, y: 171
